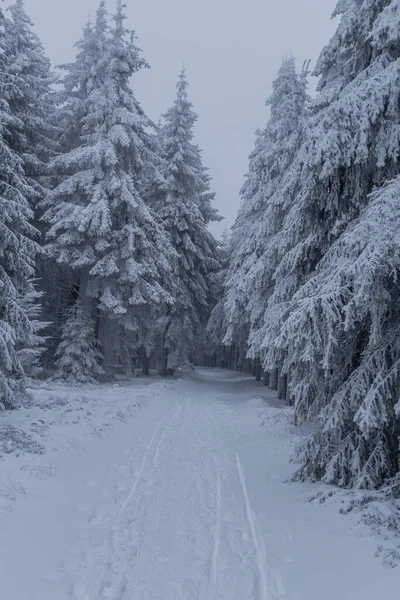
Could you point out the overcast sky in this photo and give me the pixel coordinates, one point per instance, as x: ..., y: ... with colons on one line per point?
x: 232, y: 50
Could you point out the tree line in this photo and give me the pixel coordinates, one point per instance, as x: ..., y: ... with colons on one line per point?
x: 106, y: 260
x: 311, y: 292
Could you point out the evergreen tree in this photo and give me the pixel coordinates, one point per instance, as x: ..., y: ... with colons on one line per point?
x: 30, y: 98
x: 266, y: 199
x: 78, y: 357
x: 186, y: 211
x: 32, y: 344
x: 31, y: 136
x: 100, y: 225
x: 217, y: 324
x: 339, y: 310
x: 59, y: 281
x: 17, y: 248
x: 354, y: 295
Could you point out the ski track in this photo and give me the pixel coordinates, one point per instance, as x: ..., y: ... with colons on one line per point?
x: 165, y: 431
x: 217, y: 541
x: 115, y: 584
x: 133, y: 489
x: 264, y: 583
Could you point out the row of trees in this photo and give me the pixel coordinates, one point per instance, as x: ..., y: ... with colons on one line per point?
x: 105, y: 255
x: 312, y: 287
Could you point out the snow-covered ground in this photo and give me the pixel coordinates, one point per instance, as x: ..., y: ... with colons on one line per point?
x: 171, y: 490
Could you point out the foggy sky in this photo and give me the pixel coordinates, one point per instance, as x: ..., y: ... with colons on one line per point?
x: 232, y: 50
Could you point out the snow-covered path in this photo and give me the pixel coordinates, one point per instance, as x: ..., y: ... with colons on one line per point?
x: 186, y: 501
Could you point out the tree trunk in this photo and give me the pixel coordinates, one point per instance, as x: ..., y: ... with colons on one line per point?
x: 273, y: 380
x: 235, y: 358
x: 231, y: 358
x: 97, y: 321
x: 282, y: 387
x: 163, y: 365
x: 145, y: 361
x: 289, y: 398
x: 266, y: 378
x: 258, y: 369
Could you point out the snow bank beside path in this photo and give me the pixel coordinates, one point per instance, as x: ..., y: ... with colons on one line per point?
x: 53, y: 408
x: 63, y: 420
x: 372, y: 516
x: 52, y: 453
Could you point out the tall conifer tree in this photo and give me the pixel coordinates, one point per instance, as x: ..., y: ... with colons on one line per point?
x: 17, y: 248
x: 100, y: 224
x: 186, y: 210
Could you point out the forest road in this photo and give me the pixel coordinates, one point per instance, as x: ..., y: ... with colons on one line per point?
x: 187, y: 500
x: 184, y: 528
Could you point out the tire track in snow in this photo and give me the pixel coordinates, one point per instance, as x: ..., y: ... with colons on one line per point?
x: 154, y: 450
x: 212, y: 585
x: 143, y: 465
x: 116, y: 589
x: 251, y: 519
x: 165, y: 431
x: 199, y: 488
x: 134, y: 584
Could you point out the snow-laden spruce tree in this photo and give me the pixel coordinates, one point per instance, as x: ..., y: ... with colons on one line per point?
x: 31, y: 102
x: 217, y: 325
x: 78, y: 356
x: 266, y: 199
x: 17, y: 248
x: 100, y: 225
x: 242, y: 253
x: 30, y: 97
x: 337, y: 283
x: 33, y: 343
x: 206, y: 196
x: 186, y: 210
x: 352, y: 304
x: 58, y: 280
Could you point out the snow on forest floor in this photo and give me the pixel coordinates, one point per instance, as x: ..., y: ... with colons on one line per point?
x: 171, y: 490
